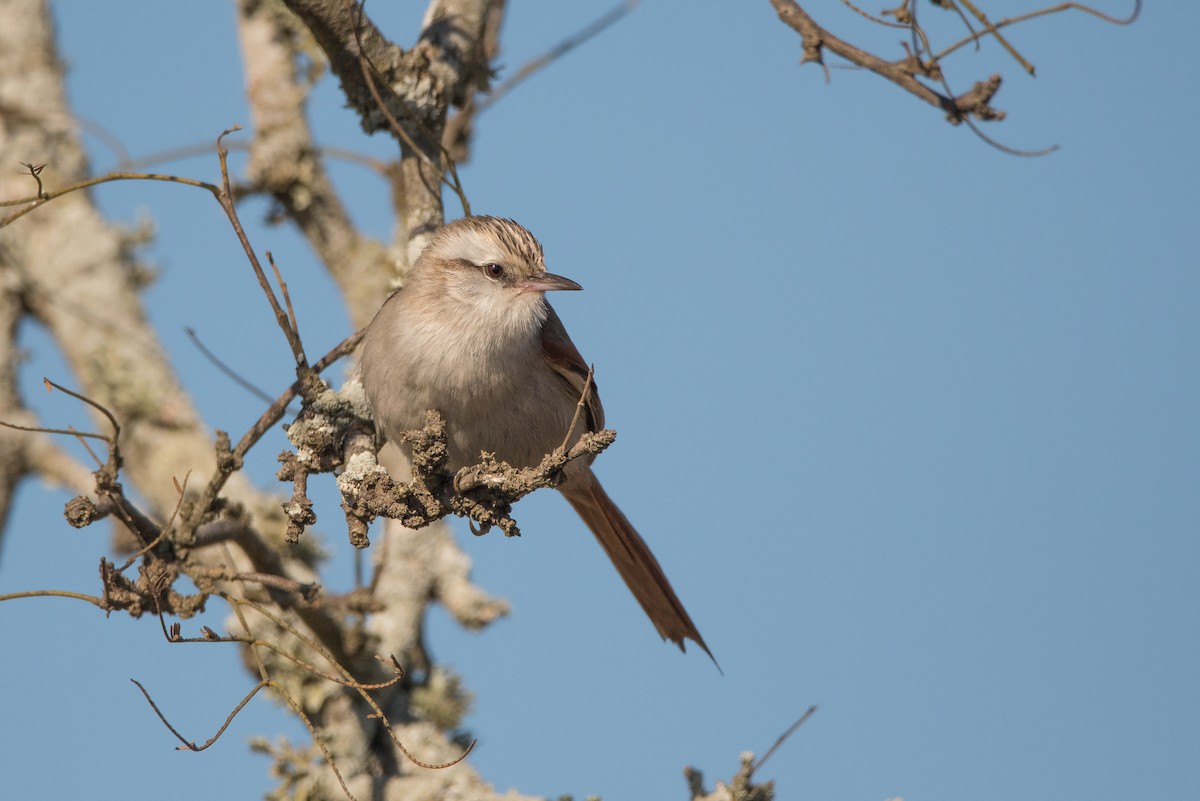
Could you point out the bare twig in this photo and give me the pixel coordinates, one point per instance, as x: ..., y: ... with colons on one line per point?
x: 969, y: 107
x: 287, y: 298
x: 348, y: 681
x: 872, y: 17
x: 163, y: 533
x: 815, y: 39
x: 1004, y: 23
x: 70, y: 432
x: 37, y: 201
x: 95, y: 405
x: 596, y: 27
x: 190, y: 745
x: 91, y: 599
x: 583, y: 397
x: 983, y: 20
x: 225, y: 198
x: 35, y: 170
x: 126, y: 162
x: 226, y: 369
x: 780, y: 740
x: 275, y: 412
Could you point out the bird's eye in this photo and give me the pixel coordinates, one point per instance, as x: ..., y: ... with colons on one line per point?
x: 493, y: 270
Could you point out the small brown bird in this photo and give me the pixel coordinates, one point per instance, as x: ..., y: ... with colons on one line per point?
x: 472, y: 336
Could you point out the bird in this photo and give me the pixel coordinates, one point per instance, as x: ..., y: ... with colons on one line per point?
x: 472, y: 336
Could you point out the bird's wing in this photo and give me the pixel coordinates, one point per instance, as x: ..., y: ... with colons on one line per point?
x: 565, y: 360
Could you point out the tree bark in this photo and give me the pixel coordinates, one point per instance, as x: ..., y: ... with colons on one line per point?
x: 74, y: 272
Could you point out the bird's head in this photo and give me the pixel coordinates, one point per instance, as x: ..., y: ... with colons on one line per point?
x: 493, y: 266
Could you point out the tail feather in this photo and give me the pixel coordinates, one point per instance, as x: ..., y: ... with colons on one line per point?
x: 633, y: 560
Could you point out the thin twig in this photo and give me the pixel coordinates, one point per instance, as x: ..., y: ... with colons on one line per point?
x: 962, y: 17
x: 287, y: 298
x: 94, y: 404
x: 779, y: 741
x: 583, y: 396
x: 189, y: 745
x: 204, y: 148
x: 558, y: 51
x: 273, y: 414
x: 36, y: 202
x: 150, y: 545
x: 983, y: 20
x: 815, y: 38
x: 283, y: 692
x: 225, y: 198
x: 1012, y: 151
x: 35, y: 171
x: 91, y: 599
x: 277, y: 409
x: 379, y: 713
x: 226, y: 369
x: 82, y: 440
x: 1004, y: 23
x: 872, y: 17
x: 70, y: 432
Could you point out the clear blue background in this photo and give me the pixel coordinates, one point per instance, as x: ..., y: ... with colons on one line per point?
x: 911, y: 423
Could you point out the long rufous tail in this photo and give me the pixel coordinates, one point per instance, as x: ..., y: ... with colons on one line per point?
x: 632, y: 557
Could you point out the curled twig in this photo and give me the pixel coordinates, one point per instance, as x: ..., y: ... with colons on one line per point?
x: 35, y: 170
x: 190, y: 745
x: 994, y: 27
x: 348, y: 682
x: 94, y: 404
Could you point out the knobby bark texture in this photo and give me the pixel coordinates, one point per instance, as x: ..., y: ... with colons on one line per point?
x: 75, y: 273
x: 70, y: 270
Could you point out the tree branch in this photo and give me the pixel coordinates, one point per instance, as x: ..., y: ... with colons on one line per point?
x: 816, y: 39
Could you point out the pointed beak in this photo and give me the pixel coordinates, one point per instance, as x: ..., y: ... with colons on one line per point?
x: 548, y: 282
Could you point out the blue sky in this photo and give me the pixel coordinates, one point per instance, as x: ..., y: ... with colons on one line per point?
x: 910, y: 423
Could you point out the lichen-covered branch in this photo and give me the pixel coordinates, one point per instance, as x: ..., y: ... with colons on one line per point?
x: 197, y: 516
x: 78, y: 275
x: 408, y: 92
x: 741, y: 787
x: 334, y: 431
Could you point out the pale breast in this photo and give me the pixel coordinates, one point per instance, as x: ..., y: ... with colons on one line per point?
x: 495, y: 393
